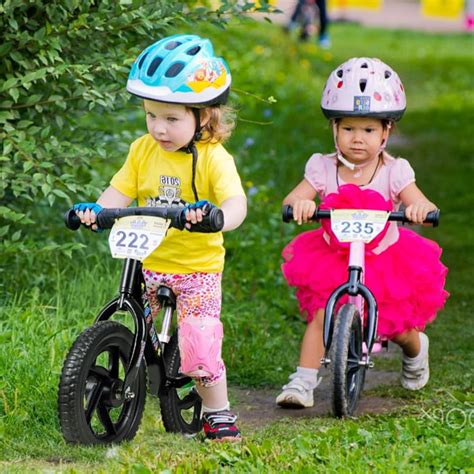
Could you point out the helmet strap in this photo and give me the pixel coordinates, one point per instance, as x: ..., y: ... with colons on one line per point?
x: 193, y: 182
x: 197, y: 131
x: 191, y: 148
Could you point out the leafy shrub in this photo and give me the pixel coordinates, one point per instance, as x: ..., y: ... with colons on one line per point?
x: 64, y: 60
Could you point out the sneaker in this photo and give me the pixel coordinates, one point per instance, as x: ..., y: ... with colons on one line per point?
x: 416, y: 370
x: 220, y: 426
x: 324, y: 42
x: 298, y: 393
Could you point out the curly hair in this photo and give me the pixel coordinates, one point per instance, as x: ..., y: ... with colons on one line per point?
x: 220, y: 124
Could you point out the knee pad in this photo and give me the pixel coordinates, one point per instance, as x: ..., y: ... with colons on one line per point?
x: 200, y: 346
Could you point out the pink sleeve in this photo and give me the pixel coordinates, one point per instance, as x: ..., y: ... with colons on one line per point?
x: 401, y: 176
x: 316, y: 173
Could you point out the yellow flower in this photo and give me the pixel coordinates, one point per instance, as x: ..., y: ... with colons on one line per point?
x: 305, y: 64
x: 327, y: 56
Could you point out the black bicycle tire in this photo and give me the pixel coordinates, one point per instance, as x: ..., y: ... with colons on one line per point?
x: 73, y: 378
x: 348, y: 324
x: 170, y: 412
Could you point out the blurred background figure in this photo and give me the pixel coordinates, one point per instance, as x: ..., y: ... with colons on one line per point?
x: 304, y: 17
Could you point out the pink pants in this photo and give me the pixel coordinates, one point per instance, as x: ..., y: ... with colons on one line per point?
x: 197, y: 295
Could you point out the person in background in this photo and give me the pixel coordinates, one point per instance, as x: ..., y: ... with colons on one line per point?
x: 303, y: 15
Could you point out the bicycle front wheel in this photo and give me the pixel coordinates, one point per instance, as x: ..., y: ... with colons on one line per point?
x: 92, y: 409
x: 346, y: 354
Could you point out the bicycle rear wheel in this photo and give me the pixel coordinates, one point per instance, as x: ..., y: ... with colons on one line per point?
x: 346, y: 353
x: 180, y: 403
x: 91, y: 409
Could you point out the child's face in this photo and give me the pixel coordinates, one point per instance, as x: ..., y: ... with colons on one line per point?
x: 359, y: 138
x: 171, y: 125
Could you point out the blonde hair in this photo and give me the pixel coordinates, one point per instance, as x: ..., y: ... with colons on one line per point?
x: 220, y: 124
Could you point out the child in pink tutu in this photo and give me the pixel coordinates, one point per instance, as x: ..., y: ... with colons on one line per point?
x: 362, y: 98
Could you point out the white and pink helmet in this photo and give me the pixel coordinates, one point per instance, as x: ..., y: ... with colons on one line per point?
x: 364, y: 87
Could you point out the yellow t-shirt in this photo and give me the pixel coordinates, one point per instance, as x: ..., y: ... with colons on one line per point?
x: 155, y: 177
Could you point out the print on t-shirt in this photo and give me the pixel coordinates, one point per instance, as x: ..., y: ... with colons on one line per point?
x: 169, y: 193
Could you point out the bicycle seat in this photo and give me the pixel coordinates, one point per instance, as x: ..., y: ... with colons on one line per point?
x: 166, y: 295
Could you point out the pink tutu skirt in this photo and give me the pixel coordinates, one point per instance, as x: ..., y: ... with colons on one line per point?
x: 407, y: 279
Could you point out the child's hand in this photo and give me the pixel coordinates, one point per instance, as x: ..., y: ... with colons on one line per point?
x: 196, y: 211
x: 303, y: 210
x: 87, y: 212
x: 418, y: 211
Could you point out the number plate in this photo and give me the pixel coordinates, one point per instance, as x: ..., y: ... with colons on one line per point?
x: 137, y: 236
x: 350, y: 225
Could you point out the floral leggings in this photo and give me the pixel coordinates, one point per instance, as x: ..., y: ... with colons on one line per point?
x: 197, y: 295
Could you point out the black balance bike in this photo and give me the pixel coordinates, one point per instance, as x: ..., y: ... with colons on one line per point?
x: 350, y: 334
x: 103, y: 383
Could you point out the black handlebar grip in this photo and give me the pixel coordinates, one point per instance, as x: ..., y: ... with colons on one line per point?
x: 105, y: 220
x: 287, y: 213
x: 216, y: 219
x: 71, y: 220
x: 433, y: 218
x: 213, y: 221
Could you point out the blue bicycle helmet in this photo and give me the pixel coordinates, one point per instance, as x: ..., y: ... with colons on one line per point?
x: 180, y: 69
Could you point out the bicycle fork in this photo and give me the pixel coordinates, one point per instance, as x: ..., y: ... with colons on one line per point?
x: 359, y: 295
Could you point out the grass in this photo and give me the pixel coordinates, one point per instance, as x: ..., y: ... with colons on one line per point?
x: 431, y: 433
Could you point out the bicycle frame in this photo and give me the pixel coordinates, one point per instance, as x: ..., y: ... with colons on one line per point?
x: 129, y: 300
x: 146, y: 343
x: 359, y: 295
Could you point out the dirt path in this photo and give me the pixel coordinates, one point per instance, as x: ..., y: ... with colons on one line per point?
x: 256, y: 407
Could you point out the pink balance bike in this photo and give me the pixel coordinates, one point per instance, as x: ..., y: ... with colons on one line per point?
x: 350, y: 335
x: 103, y: 383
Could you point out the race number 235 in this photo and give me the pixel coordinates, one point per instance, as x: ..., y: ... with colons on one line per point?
x: 350, y: 225
x: 357, y: 227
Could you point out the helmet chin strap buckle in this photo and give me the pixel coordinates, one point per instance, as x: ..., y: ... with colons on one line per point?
x: 345, y: 162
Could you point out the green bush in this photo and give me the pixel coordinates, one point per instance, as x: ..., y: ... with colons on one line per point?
x: 62, y: 61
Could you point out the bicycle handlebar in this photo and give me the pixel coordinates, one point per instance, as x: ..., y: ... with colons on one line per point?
x: 213, y: 220
x: 399, y: 216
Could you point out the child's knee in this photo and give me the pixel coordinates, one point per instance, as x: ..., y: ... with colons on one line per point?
x: 213, y: 380
x: 405, y: 337
x: 200, y: 347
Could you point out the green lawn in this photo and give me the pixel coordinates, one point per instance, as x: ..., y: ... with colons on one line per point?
x: 431, y: 433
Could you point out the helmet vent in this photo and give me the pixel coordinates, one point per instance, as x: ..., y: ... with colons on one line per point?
x: 364, y: 66
x: 387, y: 74
x: 154, y: 66
x: 142, y: 60
x: 339, y: 73
x: 362, y: 84
x: 193, y: 51
x: 174, y: 69
x: 172, y: 45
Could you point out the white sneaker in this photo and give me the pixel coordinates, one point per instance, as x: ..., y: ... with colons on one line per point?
x: 416, y: 370
x: 298, y: 393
